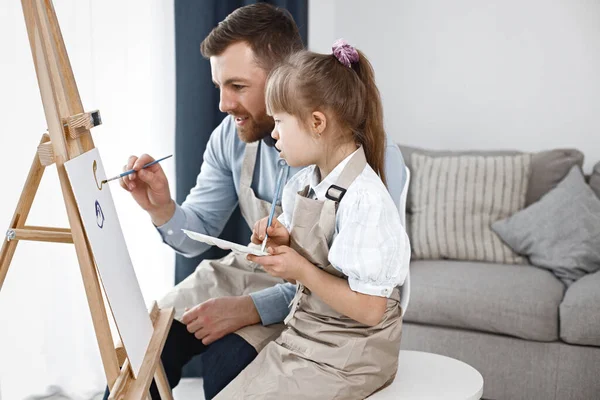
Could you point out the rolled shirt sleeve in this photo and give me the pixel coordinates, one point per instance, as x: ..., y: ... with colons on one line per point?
x: 273, y: 303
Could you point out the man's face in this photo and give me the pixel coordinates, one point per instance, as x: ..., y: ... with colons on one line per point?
x: 242, y: 85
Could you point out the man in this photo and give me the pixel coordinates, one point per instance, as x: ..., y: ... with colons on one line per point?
x: 229, y: 309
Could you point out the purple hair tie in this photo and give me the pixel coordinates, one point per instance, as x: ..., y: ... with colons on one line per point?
x: 345, y: 53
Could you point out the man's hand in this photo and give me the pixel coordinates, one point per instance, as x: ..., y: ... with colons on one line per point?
x: 215, y: 318
x: 149, y: 188
x: 278, y: 234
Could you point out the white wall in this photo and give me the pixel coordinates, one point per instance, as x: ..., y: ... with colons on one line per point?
x: 122, y: 54
x: 481, y: 74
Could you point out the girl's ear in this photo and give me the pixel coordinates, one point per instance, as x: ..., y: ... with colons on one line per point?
x: 318, y: 123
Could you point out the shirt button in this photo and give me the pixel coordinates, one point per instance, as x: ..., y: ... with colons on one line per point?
x: 385, y: 291
x: 170, y: 232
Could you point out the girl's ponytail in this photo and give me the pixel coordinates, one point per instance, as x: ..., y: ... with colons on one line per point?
x: 371, y: 134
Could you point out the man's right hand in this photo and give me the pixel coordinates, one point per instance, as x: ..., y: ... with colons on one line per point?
x: 149, y: 188
x: 215, y: 318
x: 278, y: 234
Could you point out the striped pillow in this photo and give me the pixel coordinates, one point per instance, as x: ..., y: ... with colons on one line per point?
x: 455, y: 200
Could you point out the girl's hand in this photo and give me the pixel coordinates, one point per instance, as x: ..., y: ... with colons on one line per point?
x: 284, y: 262
x: 278, y: 234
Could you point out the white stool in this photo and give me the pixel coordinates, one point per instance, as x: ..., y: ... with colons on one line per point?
x: 432, y: 376
x: 421, y: 376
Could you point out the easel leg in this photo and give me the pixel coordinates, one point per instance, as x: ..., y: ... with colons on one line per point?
x: 160, y: 377
x: 23, y: 207
x: 7, y: 253
x: 128, y: 388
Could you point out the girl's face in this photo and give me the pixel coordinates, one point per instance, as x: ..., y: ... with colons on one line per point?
x: 297, y: 146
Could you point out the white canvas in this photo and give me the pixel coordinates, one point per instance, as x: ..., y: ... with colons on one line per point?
x: 224, y: 244
x: 105, y: 236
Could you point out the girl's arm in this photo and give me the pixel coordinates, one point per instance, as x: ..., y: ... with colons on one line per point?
x: 284, y: 262
x: 336, y: 292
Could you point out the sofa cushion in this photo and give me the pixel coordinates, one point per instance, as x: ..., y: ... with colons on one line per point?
x: 515, y: 300
x: 455, y: 200
x: 595, y: 180
x: 547, y: 167
x: 561, y: 232
x: 580, y: 312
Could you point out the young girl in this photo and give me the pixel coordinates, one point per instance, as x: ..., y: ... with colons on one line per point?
x: 339, y: 237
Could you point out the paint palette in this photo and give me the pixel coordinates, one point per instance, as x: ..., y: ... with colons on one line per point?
x: 224, y: 244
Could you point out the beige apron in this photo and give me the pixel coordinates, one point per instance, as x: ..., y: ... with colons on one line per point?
x: 322, y: 354
x: 232, y: 275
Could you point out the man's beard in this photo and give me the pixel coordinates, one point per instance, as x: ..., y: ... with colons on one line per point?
x: 255, y: 129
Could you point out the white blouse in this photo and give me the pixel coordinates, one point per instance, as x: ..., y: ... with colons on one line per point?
x: 369, y: 244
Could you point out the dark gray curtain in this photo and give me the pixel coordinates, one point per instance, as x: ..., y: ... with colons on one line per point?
x: 197, y: 112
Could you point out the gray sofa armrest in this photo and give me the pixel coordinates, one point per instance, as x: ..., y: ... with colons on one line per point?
x: 580, y: 312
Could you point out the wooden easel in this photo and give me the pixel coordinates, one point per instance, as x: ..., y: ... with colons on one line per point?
x: 68, y: 137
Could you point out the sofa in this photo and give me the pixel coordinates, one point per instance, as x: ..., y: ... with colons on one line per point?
x: 530, y: 332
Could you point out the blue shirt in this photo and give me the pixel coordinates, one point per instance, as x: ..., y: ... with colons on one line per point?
x: 211, y: 202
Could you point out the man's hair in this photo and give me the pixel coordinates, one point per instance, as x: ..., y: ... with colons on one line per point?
x: 270, y: 32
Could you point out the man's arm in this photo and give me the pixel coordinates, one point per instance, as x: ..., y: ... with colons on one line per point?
x: 272, y: 304
x: 211, y: 202
x: 215, y: 318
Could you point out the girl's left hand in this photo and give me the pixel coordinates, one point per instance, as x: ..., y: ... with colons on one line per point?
x: 284, y: 262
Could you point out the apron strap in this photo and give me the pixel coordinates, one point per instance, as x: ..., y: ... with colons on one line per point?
x: 248, y: 164
x: 354, y: 168
x: 295, y: 302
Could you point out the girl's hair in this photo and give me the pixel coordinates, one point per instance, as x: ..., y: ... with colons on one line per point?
x: 309, y: 81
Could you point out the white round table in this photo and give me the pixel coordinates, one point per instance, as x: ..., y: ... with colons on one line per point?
x: 432, y: 376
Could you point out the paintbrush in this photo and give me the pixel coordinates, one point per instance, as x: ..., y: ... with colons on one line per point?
x: 131, y: 171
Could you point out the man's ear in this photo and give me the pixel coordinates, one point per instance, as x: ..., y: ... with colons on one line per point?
x: 318, y: 122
